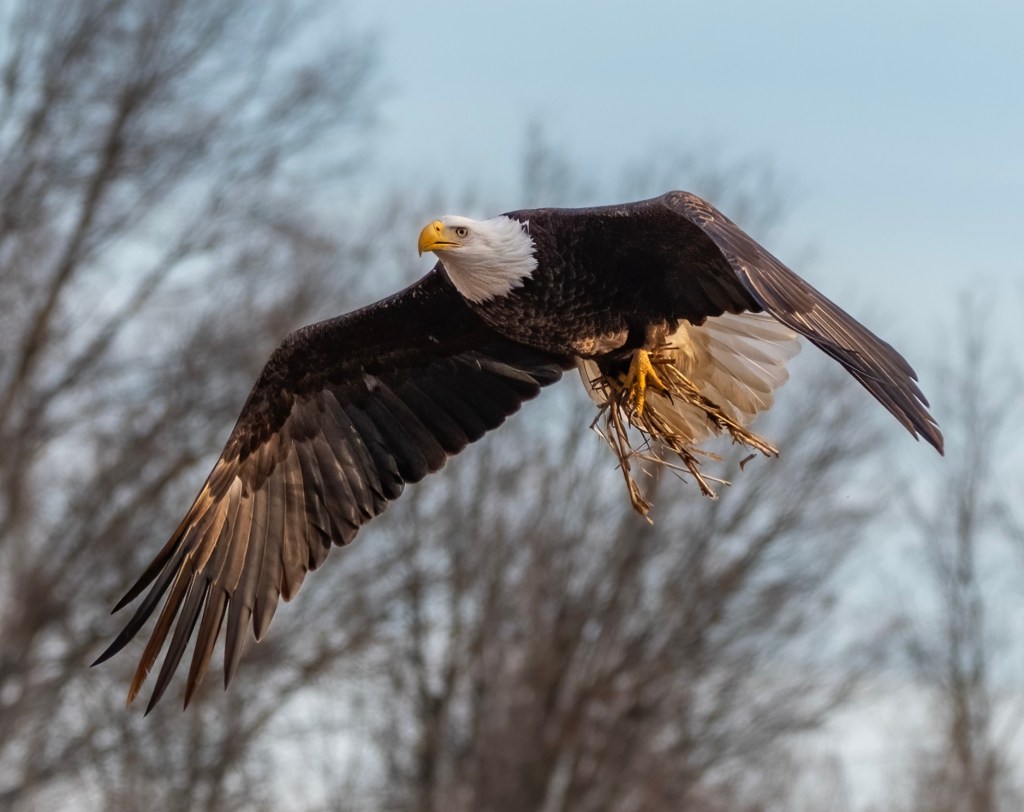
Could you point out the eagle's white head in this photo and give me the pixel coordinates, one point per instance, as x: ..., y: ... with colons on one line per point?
x: 483, y: 258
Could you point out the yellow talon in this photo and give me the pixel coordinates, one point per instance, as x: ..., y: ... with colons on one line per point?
x: 641, y: 370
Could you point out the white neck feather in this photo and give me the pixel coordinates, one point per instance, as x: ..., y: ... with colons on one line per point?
x: 496, y: 257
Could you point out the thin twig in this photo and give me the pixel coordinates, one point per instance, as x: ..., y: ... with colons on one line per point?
x: 617, y: 414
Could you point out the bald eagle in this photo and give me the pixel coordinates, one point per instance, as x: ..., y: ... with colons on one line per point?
x: 678, y: 322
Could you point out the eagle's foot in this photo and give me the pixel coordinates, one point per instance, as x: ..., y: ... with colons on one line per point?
x: 639, y: 378
x: 624, y: 408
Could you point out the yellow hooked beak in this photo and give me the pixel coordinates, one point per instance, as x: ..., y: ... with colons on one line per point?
x: 436, y: 236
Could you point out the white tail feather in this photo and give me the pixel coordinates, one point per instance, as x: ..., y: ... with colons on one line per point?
x: 736, y: 361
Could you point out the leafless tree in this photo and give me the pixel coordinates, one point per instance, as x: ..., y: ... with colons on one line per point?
x: 964, y: 520
x: 160, y: 163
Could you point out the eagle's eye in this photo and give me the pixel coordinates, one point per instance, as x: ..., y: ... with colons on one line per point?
x: 461, y: 231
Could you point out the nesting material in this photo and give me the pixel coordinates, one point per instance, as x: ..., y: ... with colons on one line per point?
x: 717, y: 377
x: 658, y: 426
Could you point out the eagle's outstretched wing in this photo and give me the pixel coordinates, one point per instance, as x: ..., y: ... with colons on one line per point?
x: 787, y: 297
x: 343, y: 415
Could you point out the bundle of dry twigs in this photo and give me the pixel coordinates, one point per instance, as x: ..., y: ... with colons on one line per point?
x: 659, y: 440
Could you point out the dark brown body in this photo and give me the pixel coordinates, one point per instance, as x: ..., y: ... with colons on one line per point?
x: 615, y: 277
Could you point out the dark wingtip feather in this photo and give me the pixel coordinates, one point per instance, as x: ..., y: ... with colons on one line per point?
x: 144, y: 580
x: 141, y: 615
x: 152, y: 701
x: 169, y: 551
x: 209, y: 630
x: 138, y: 587
x: 933, y: 436
x: 192, y: 605
x: 182, y: 585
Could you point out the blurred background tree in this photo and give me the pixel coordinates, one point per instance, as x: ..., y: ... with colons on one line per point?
x: 181, y: 186
x: 158, y: 235
x: 958, y: 640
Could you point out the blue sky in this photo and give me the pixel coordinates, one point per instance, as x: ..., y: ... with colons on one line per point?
x: 898, y: 125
